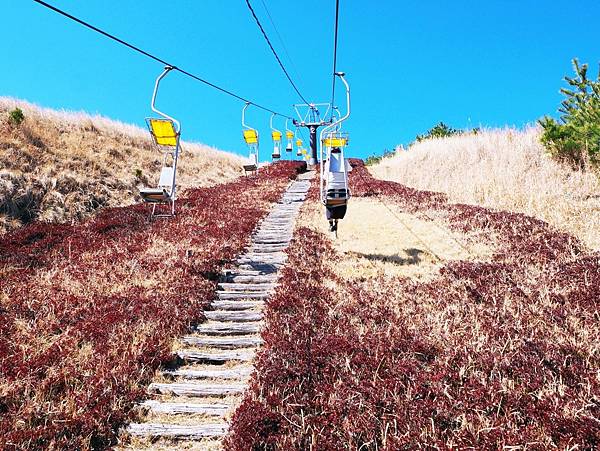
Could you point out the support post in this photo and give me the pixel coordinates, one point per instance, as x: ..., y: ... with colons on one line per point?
x: 313, y: 139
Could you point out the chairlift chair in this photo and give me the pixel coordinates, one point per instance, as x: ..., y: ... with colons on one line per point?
x: 290, y: 138
x: 251, y: 138
x: 335, y: 192
x: 299, y: 149
x: 276, y: 136
x: 165, y: 132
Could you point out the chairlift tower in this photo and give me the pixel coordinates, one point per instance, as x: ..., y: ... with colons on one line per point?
x: 310, y: 118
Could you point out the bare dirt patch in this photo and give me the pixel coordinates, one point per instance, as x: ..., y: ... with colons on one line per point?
x: 376, y: 238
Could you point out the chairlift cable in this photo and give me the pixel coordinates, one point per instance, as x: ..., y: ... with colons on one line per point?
x: 335, y: 44
x: 274, y: 52
x: 156, y: 58
x: 282, y: 42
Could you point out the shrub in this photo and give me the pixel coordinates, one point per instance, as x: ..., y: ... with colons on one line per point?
x: 575, y: 137
x: 374, y: 159
x: 16, y: 117
x: 440, y: 130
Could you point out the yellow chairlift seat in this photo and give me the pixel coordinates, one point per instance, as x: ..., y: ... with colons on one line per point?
x: 335, y: 141
x: 250, y: 136
x: 163, y: 132
x: 276, y: 135
x: 289, y: 134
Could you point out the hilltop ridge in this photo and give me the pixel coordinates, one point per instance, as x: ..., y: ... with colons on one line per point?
x: 59, y: 166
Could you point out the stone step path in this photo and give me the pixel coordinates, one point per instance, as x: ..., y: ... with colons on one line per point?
x: 190, y: 405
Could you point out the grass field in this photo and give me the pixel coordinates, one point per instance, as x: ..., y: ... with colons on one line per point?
x: 59, y: 166
x: 506, y: 169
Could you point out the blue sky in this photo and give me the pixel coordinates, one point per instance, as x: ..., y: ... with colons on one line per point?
x: 410, y: 64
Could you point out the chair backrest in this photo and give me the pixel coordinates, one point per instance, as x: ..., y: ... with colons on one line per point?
x: 276, y: 135
x: 250, y: 136
x: 167, y: 174
x: 289, y: 134
x: 163, y: 132
x: 336, y: 162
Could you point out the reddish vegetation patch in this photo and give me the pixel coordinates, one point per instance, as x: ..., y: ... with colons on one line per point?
x: 89, y: 311
x: 369, y: 365
x: 487, y: 355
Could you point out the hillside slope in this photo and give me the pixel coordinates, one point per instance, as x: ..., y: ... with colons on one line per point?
x: 506, y: 169
x: 58, y: 166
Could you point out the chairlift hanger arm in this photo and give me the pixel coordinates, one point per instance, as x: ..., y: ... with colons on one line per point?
x: 271, y: 123
x: 341, y: 75
x: 287, y: 129
x: 244, y: 116
x: 153, y: 106
x: 338, y: 123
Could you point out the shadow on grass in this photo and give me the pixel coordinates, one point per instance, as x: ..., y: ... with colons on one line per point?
x: 413, y: 257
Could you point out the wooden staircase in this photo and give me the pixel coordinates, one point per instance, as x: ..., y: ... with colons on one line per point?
x: 191, y: 405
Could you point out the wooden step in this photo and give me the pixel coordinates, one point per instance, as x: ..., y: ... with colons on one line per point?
x: 189, y: 355
x: 174, y: 431
x: 197, y: 389
x: 259, y: 248
x: 277, y: 233
x: 272, y: 256
x: 283, y: 227
x: 262, y: 266
x: 224, y: 315
x: 264, y: 235
x: 276, y: 225
x: 233, y: 295
x: 230, y: 273
x: 227, y: 286
x: 236, y: 372
x: 222, y: 342
x: 261, y: 258
x: 272, y: 241
x: 178, y: 408
x: 226, y: 328
x: 237, y: 305
x: 251, y: 279
x: 266, y: 240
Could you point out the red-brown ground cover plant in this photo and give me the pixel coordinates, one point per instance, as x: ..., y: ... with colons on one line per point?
x: 88, y: 311
x: 488, y: 355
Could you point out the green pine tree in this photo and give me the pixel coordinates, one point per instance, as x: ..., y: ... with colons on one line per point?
x: 575, y: 137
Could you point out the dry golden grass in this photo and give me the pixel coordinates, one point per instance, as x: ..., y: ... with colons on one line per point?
x: 140, y: 444
x: 57, y: 166
x: 506, y: 169
x: 374, y: 241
